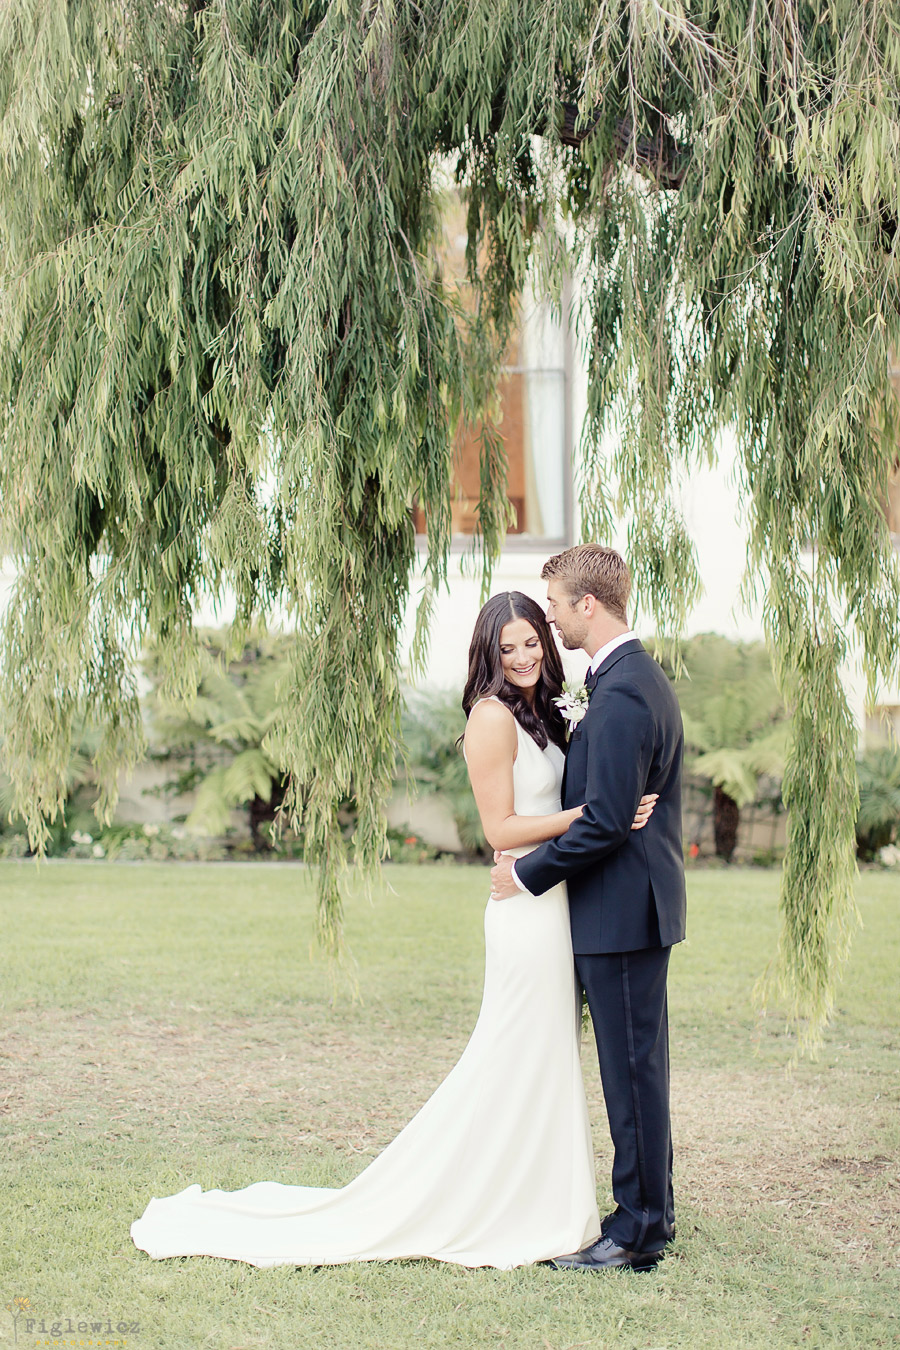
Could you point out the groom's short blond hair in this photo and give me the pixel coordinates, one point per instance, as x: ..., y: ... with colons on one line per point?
x: 592, y: 569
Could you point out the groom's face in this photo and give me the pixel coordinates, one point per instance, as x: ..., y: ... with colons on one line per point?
x: 567, y: 615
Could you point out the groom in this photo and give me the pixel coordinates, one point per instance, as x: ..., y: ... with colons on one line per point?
x: 626, y: 889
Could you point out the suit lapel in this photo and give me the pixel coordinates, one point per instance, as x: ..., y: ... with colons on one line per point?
x: 590, y: 683
x: 626, y: 649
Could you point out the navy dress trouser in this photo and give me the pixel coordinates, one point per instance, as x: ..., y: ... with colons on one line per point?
x: 626, y: 993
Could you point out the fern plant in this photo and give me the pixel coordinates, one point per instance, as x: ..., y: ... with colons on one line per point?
x: 878, y: 822
x: 735, y: 724
x: 434, y: 764
x: 217, y: 741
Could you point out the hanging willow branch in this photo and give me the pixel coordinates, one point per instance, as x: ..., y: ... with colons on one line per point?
x: 230, y: 362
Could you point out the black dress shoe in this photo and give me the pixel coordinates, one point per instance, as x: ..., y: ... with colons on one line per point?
x: 606, y: 1255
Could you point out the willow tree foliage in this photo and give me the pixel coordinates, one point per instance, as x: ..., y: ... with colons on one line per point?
x: 230, y: 360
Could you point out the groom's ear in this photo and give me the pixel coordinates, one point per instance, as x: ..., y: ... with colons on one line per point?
x: 591, y: 605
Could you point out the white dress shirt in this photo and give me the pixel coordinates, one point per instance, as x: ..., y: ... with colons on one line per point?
x: 608, y: 648
x: 596, y: 661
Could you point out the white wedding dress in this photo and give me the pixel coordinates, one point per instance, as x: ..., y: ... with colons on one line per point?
x: 496, y: 1169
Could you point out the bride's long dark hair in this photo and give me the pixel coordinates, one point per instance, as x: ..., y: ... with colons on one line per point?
x: 542, y: 719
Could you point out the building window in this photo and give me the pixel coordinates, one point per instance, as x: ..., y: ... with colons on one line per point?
x: 535, y: 421
x: 533, y: 425
x: 893, y: 503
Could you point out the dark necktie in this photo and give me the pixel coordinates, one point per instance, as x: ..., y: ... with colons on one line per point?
x: 590, y: 680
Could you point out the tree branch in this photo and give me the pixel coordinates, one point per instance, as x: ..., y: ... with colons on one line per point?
x: 659, y: 157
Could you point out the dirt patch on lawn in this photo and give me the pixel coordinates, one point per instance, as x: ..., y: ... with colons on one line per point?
x: 315, y: 1082
x: 768, y: 1151
x: 756, y: 1149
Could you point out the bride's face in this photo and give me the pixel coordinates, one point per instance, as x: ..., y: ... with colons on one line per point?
x: 521, y: 655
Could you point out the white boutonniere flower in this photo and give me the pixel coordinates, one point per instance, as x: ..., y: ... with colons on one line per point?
x: 573, y: 704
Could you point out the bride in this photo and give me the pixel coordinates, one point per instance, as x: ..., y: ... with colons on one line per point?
x: 497, y: 1167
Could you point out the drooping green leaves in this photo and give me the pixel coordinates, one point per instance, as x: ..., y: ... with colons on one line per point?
x: 762, y: 294
x: 231, y: 359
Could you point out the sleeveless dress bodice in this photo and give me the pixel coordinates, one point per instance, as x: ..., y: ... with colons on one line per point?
x: 537, y: 776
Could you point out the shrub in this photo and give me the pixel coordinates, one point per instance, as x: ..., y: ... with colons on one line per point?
x: 432, y: 725
x: 878, y: 822
x: 736, y: 725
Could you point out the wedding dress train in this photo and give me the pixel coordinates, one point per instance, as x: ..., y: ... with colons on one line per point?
x: 497, y: 1167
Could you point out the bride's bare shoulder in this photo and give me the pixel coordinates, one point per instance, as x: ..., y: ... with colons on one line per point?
x: 490, y: 712
x: 491, y: 726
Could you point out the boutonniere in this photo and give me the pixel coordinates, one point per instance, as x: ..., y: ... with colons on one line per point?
x: 573, y: 704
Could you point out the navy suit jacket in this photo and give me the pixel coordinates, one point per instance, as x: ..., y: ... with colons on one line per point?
x: 626, y: 887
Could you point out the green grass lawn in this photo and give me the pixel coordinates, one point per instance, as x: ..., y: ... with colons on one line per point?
x: 165, y: 1024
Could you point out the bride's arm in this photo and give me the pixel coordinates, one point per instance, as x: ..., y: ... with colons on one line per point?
x: 490, y: 753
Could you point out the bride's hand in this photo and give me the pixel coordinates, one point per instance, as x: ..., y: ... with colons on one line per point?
x: 643, y: 814
x: 645, y: 810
